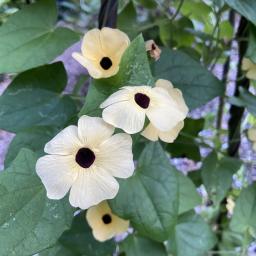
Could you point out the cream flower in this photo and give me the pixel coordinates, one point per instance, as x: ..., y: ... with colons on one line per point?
x: 104, y: 223
x: 85, y: 159
x: 128, y: 107
x: 250, y: 68
x: 102, y: 51
x: 151, y: 132
x: 252, y: 137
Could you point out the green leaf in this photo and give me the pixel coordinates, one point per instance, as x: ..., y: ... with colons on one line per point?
x: 246, y: 99
x: 128, y: 16
x: 174, y: 33
x: 136, y: 245
x: 188, y: 196
x: 33, y: 99
x: 217, y: 175
x: 57, y: 250
x: 149, y: 199
x: 80, y: 241
x: 134, y: 70
x: 244, y: 7
x: 251, y: 50
x: 184, y: 145
x: 29, y: 37
x: 245, y: 211
x: 192, y: 236
x: 33, y: 138
x: 197, y: 84
x: 29, y: 222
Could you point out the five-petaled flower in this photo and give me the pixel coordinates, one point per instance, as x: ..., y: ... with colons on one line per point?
x: 85, y: 159
x: 104, y: 223
x: 102, y: 51
x: 128, y: 108
x: 151, y: 132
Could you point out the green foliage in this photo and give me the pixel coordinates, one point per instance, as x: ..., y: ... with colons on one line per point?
x: 29, y: 38
x: 197, y: 83
x: 185, y: 145
x: 245, y: 211
x: 150, y: 197
x: 192, y: 236
x: 195, y: 37
x: 217, y: 175
x: 32, y: 138
x: 30, y: 215
x: 79, y: 240
x: 246, y: 99
x: 33, y: 99
x: 245, y: 8
x: 136, y: 245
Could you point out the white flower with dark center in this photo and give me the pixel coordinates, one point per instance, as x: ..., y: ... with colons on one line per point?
x: 102, y: 51
x: 105, y: 225
x: 128, y: 108
x: 85, y: 160
x: 153, y: 133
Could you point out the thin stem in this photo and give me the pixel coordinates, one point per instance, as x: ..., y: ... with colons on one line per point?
x: 177, y: 10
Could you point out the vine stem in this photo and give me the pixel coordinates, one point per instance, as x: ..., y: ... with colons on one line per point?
x: 108, y: 14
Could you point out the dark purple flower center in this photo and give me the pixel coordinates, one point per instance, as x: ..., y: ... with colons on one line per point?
x: 106, y: 219
x: 85, y: 157
x: 142, y: 100
x: 106, y: 63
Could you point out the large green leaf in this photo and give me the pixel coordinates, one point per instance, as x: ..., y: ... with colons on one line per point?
x: 197, y: 84
x: 136, y: 245
x: 33, y: 138
x: 188, y: 195
x: 245, y: 211
x: 244, y: 7
x: 185, y: 145
x: 34, y: 99
x: 29, y: 222
x: 217, y: 175
x: 150, y: 197
x: 57, y: 250
x: 134, y: 70
x: 80, y: 241
x: 192, y: 236
x: 29, y: 37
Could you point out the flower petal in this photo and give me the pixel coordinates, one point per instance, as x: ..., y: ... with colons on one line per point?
x: 93, y: 130
x: 252, y: 134
x: 92, y: 45
x: 125, y: 115
x: 118, y: 96
x: 164, y: 112
x: 115, y: 156
x: 114, y: 42
x: 150, y: 132
x: 90, y: 65
x: 65, y: 142
x: 251, y: 74
x: 91, y: 187
x: 57, y: 173
x: 175, y: 94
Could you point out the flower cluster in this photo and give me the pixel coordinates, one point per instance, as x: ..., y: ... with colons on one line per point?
x: 85, y: 159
